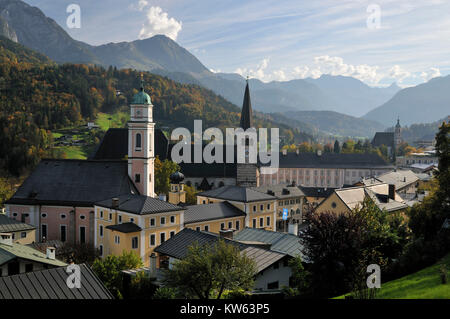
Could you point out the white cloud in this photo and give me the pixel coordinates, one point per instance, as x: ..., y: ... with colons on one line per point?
x: 398, y: 73
x: 158, y: 22
x: 255, y: 73
x: 432, y: 73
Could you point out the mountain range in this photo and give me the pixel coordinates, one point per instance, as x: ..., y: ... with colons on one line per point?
x: 28, y: 26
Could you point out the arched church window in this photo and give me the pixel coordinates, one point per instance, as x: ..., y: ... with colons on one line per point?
x: 138, y: 141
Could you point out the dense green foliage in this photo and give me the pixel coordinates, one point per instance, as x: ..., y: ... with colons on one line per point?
x: 341, y: 246
x: 207, y: 271
x: 109, y: 270
x: 163, y: 170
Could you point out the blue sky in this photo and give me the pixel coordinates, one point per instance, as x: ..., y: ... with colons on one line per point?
x: 282, y: 39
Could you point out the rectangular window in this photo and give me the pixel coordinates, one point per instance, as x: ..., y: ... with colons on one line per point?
x: 222, y: 226
x: 162, y: 221
x: 137, y: 178
x: 254, y: 208
x: 131, y: 220
x: 63, y: 233
x: 134, y: 243
x: 23, y: 234
x: 268, y: 220
x: 207, y: 228
x: 44, y: 231
x: 101, y: 214
x: 152, y: 240
x: 237, y: 225
x: 162, y: 237
x: 172, y: 219
x: 101, y: 230
x: 261, y: 222
x: 110, y: 216
x: 82, y: 235
x: 268, y: 206
x: 230, y: 225
x: 261, y: 207
x: 101, y: 250
x: 120, y: 219
x: 117, y: 239
x: 152, y: 222
x: 197, y: 228
x: 254, y: 222
x: 172, y: 233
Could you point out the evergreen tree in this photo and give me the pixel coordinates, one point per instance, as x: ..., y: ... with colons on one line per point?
x: 337, y: 147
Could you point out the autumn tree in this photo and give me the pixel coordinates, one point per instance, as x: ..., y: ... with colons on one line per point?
x: 163, y: 170
x: 208, y: 270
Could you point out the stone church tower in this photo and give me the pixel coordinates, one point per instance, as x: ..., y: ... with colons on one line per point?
x: 141, y: 159
x: 247, y: 174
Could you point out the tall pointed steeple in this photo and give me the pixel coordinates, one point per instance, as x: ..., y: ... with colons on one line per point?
x: 247, y: 113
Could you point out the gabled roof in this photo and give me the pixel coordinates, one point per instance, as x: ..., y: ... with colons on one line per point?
x: 281, y: 242
x: 52, y: 284
x: 74, y: 183
x: 125, y: 228
x: 331, y: 160
x: 399, y: 178
x: 114, y: 145
x: 199, y: 213
x: 280, y: 190
x: 383, y: 138
x: 237, y: 193
x: 379, y: 193
x: 11, y: 252
x: 177, y: 247
x: 8, y: 225
x: 318, y: 192
x: 140, y: 204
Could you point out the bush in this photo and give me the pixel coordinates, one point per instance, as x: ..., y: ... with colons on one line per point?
x: 165, y: 293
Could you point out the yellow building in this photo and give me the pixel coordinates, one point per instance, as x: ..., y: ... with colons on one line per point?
x: 135, y: 223
x: 21, y: 233
x: 346, y: 199
x: 259, y: 208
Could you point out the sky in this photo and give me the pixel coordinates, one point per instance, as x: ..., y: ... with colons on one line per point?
x: 378, y: 42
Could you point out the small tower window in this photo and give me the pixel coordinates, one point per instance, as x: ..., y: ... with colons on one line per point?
x: 138, y: 141
x: 137, y: 178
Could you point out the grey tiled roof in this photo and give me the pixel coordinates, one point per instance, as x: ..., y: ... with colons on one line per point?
x: 383, y: 138
x: 11, y: 225
x: 281, y: 190
x: 10, y: 252
x: 237, y: 193
x: 140, y: 204
x: 400, y: 178
x: 114, y: 145
x: 51, y: 284
x: 125, y: 228
x: 331, y: 160
x: 177, y: 247
x: 317, y: 192
x: 74, y: 182
x: 198, y: 213
x: 284, y: 243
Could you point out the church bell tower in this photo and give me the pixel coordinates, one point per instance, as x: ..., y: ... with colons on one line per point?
x: 141, y: 159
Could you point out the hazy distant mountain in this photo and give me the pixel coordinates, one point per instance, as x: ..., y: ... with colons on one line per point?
x: 424, y: 103
x: 29, y: 26
x: 336, y: 123
x: 352, y: 96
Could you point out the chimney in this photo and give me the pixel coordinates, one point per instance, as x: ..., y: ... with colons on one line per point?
x: 284, y: 151
x: 153, y: 265
x: 162, y: 197
x: 227, y: 233
x: 319, y: 152
x: 297, y: 151
x: 51, y: 252
x: 392, y: 191
x: 6, y: 239
x: 293, y: 228
x: 115, y: 203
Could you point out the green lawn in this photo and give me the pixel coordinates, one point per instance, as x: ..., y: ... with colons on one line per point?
x: 117, y: 120
x: 424, y: 284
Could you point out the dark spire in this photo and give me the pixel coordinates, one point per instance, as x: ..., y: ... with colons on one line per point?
x: 398, y: 122
x: 142, y: 82
x: 247, y: 114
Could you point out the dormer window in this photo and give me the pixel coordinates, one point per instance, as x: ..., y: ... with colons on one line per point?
x: 138, y: 141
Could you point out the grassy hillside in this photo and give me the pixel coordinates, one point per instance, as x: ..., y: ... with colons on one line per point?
x: 424, y: 284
